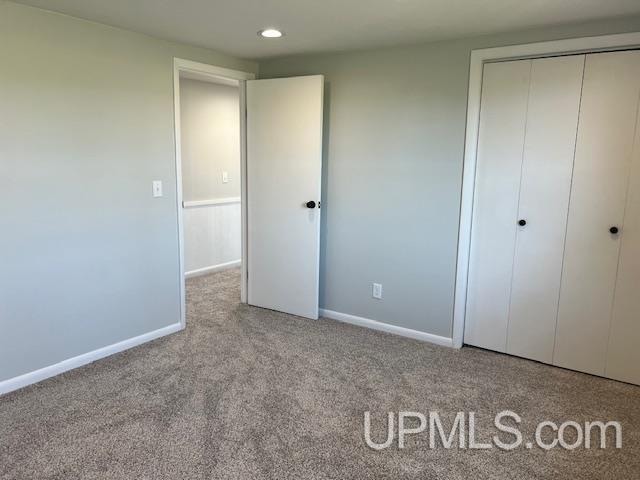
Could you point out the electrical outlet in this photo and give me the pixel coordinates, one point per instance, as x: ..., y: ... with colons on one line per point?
x: 225, y: 177
x: 377, y: 291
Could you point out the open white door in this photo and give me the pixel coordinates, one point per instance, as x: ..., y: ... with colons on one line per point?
x: 284, y: 168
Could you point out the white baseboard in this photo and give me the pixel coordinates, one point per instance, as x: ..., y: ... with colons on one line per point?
x: 212, y: 268
x: 15, y: 383
x: 385, y: 327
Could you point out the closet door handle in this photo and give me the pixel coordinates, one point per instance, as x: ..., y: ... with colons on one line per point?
x: 614, y: 230
x: 522, y: 223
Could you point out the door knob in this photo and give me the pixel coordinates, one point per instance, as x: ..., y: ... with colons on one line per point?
x: 614, y: 230
x: 522, y: 223
x: 311, y: 204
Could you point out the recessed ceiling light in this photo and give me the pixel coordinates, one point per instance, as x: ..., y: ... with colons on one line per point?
x: 270, y: 33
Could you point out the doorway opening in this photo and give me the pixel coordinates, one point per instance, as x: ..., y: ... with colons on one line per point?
x: 273, y: 129
x: 210, y: 170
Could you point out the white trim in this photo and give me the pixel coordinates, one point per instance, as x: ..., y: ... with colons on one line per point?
x: 30, y: 378
x: 244, y: 275
x: 478, y: 59
x: 211, y: 202
x: 385, y: 327
x: 213, y: 268
x: 178, y: 154
x: 210, y: 72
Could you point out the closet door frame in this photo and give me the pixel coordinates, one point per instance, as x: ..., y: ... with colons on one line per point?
x: 605, y: 43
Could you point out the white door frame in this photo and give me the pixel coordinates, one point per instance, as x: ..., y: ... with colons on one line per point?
x: 210, y: 72
x: 478, y: 59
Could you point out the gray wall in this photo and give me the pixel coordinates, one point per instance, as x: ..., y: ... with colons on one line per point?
x: 210, y: 140
x: 89, y: 258
x: 394, y: 141
x: 210, y: 129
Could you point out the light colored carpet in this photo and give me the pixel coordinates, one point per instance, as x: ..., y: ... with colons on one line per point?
x: 246, y: 393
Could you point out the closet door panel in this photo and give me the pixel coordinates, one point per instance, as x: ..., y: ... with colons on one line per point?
x: 552, y: 122
x: 623, y: 357
x: 505, y: 89
x: 601, y: 174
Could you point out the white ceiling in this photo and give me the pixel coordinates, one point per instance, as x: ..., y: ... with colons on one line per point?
x: 230, y: 26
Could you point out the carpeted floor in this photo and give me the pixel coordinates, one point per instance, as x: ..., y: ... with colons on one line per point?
x: 245, y: 393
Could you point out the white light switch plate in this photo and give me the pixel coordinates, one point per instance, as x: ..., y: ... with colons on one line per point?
x: 157, y: 188
x: 225, y: 177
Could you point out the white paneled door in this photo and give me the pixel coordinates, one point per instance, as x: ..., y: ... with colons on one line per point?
x: 545, y: 187
x: 505, y: 90
x: 284, y: 163
x: 554, y: 271
x: 525, y: 155
x: 623, y: 353
x: 604, y: 149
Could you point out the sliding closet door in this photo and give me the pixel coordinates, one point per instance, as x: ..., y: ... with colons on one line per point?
x: 600, y: 182
x: 623, y: 356
x: 552, y: 122
x: 505, y: 88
